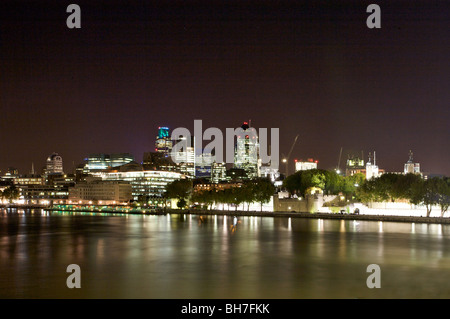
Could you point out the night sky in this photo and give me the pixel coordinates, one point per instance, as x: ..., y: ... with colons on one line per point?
x: 311, y: 68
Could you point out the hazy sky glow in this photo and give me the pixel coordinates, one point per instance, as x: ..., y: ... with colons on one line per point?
x: 307, y: 67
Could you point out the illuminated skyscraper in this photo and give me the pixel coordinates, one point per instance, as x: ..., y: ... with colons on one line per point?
x: 184, y: 157
x: 247, y: 151
x: 163, y: 143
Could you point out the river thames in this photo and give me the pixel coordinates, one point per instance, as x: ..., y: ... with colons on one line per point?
x: 218, y: 257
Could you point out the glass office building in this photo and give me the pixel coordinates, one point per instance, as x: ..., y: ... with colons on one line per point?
x: 96, y: 162
x: 144, y: 183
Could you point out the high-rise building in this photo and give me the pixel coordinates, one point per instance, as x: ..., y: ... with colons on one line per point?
x: 218, y: 172
x: 305, y: 165
x: 410, y: 166
x: 157, y: 161
x: 95, y: 162
x: 163, y: 143
x: 184, y: 157
x: 54, y: 164
x: 144, y: 183
x: 247, y: 152
x: 203, y: 163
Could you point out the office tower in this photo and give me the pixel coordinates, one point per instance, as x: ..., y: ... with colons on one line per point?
x: 184, y: 155
x: 247, y: 151
x: 102, y: 161
x: 163, y: 143
x: 54, y: 164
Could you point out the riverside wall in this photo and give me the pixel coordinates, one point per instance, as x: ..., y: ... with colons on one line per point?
x: 386, y: 218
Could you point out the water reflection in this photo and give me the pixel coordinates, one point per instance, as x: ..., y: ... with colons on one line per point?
x: 204, y: 256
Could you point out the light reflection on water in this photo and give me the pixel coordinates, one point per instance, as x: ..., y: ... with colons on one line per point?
x: 191, y: 256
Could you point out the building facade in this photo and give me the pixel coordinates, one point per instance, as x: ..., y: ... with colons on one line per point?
x: 97, y: 191
x: 101, y: 161
x: 54, y: 164
x: 372, y: 170
x: 354, y: 165
x: 149, y: 184
x: 305, y: 165
x: 163, y: 143
x: 44, y: 194
x: 247, y: 152
x: 183, y: 156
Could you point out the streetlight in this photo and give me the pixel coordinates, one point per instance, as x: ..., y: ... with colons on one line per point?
x: 284, y: 160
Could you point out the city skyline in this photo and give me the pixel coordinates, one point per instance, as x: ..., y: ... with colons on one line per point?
x: 311, y: 69
x: 350, y: 156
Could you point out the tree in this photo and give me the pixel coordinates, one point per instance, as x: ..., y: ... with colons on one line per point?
x: 226, y: 196
x: 431, y: 194
x: 263, y: 190
x: 426, y: 192
x: 180, y: 189
x: 333, y: 182
x: 313, y: 178
x: 350, y: 184
x: 300, y: 181
x: 237, y: 197
x: 181, y: 203
x: 11, y: 193
x: 205, y: 197
x: 443, y: 194
x: 246, y: 191
x: 404, y: 185
x: 293, y: 183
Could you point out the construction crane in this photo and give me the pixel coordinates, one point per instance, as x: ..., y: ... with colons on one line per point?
x: 286, y: 158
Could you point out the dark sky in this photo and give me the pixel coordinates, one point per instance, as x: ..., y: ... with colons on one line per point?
x: 311, y: 68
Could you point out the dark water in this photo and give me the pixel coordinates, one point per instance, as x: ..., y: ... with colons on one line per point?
x: 188, y: 256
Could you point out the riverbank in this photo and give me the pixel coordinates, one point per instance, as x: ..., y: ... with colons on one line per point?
x: 367, y: 217
x: 385, y: 218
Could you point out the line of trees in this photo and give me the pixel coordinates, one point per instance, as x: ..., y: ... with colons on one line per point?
x: 329, y: 181
x: 411, y: 187
x: 258, y: 190
x: 387, y: 187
